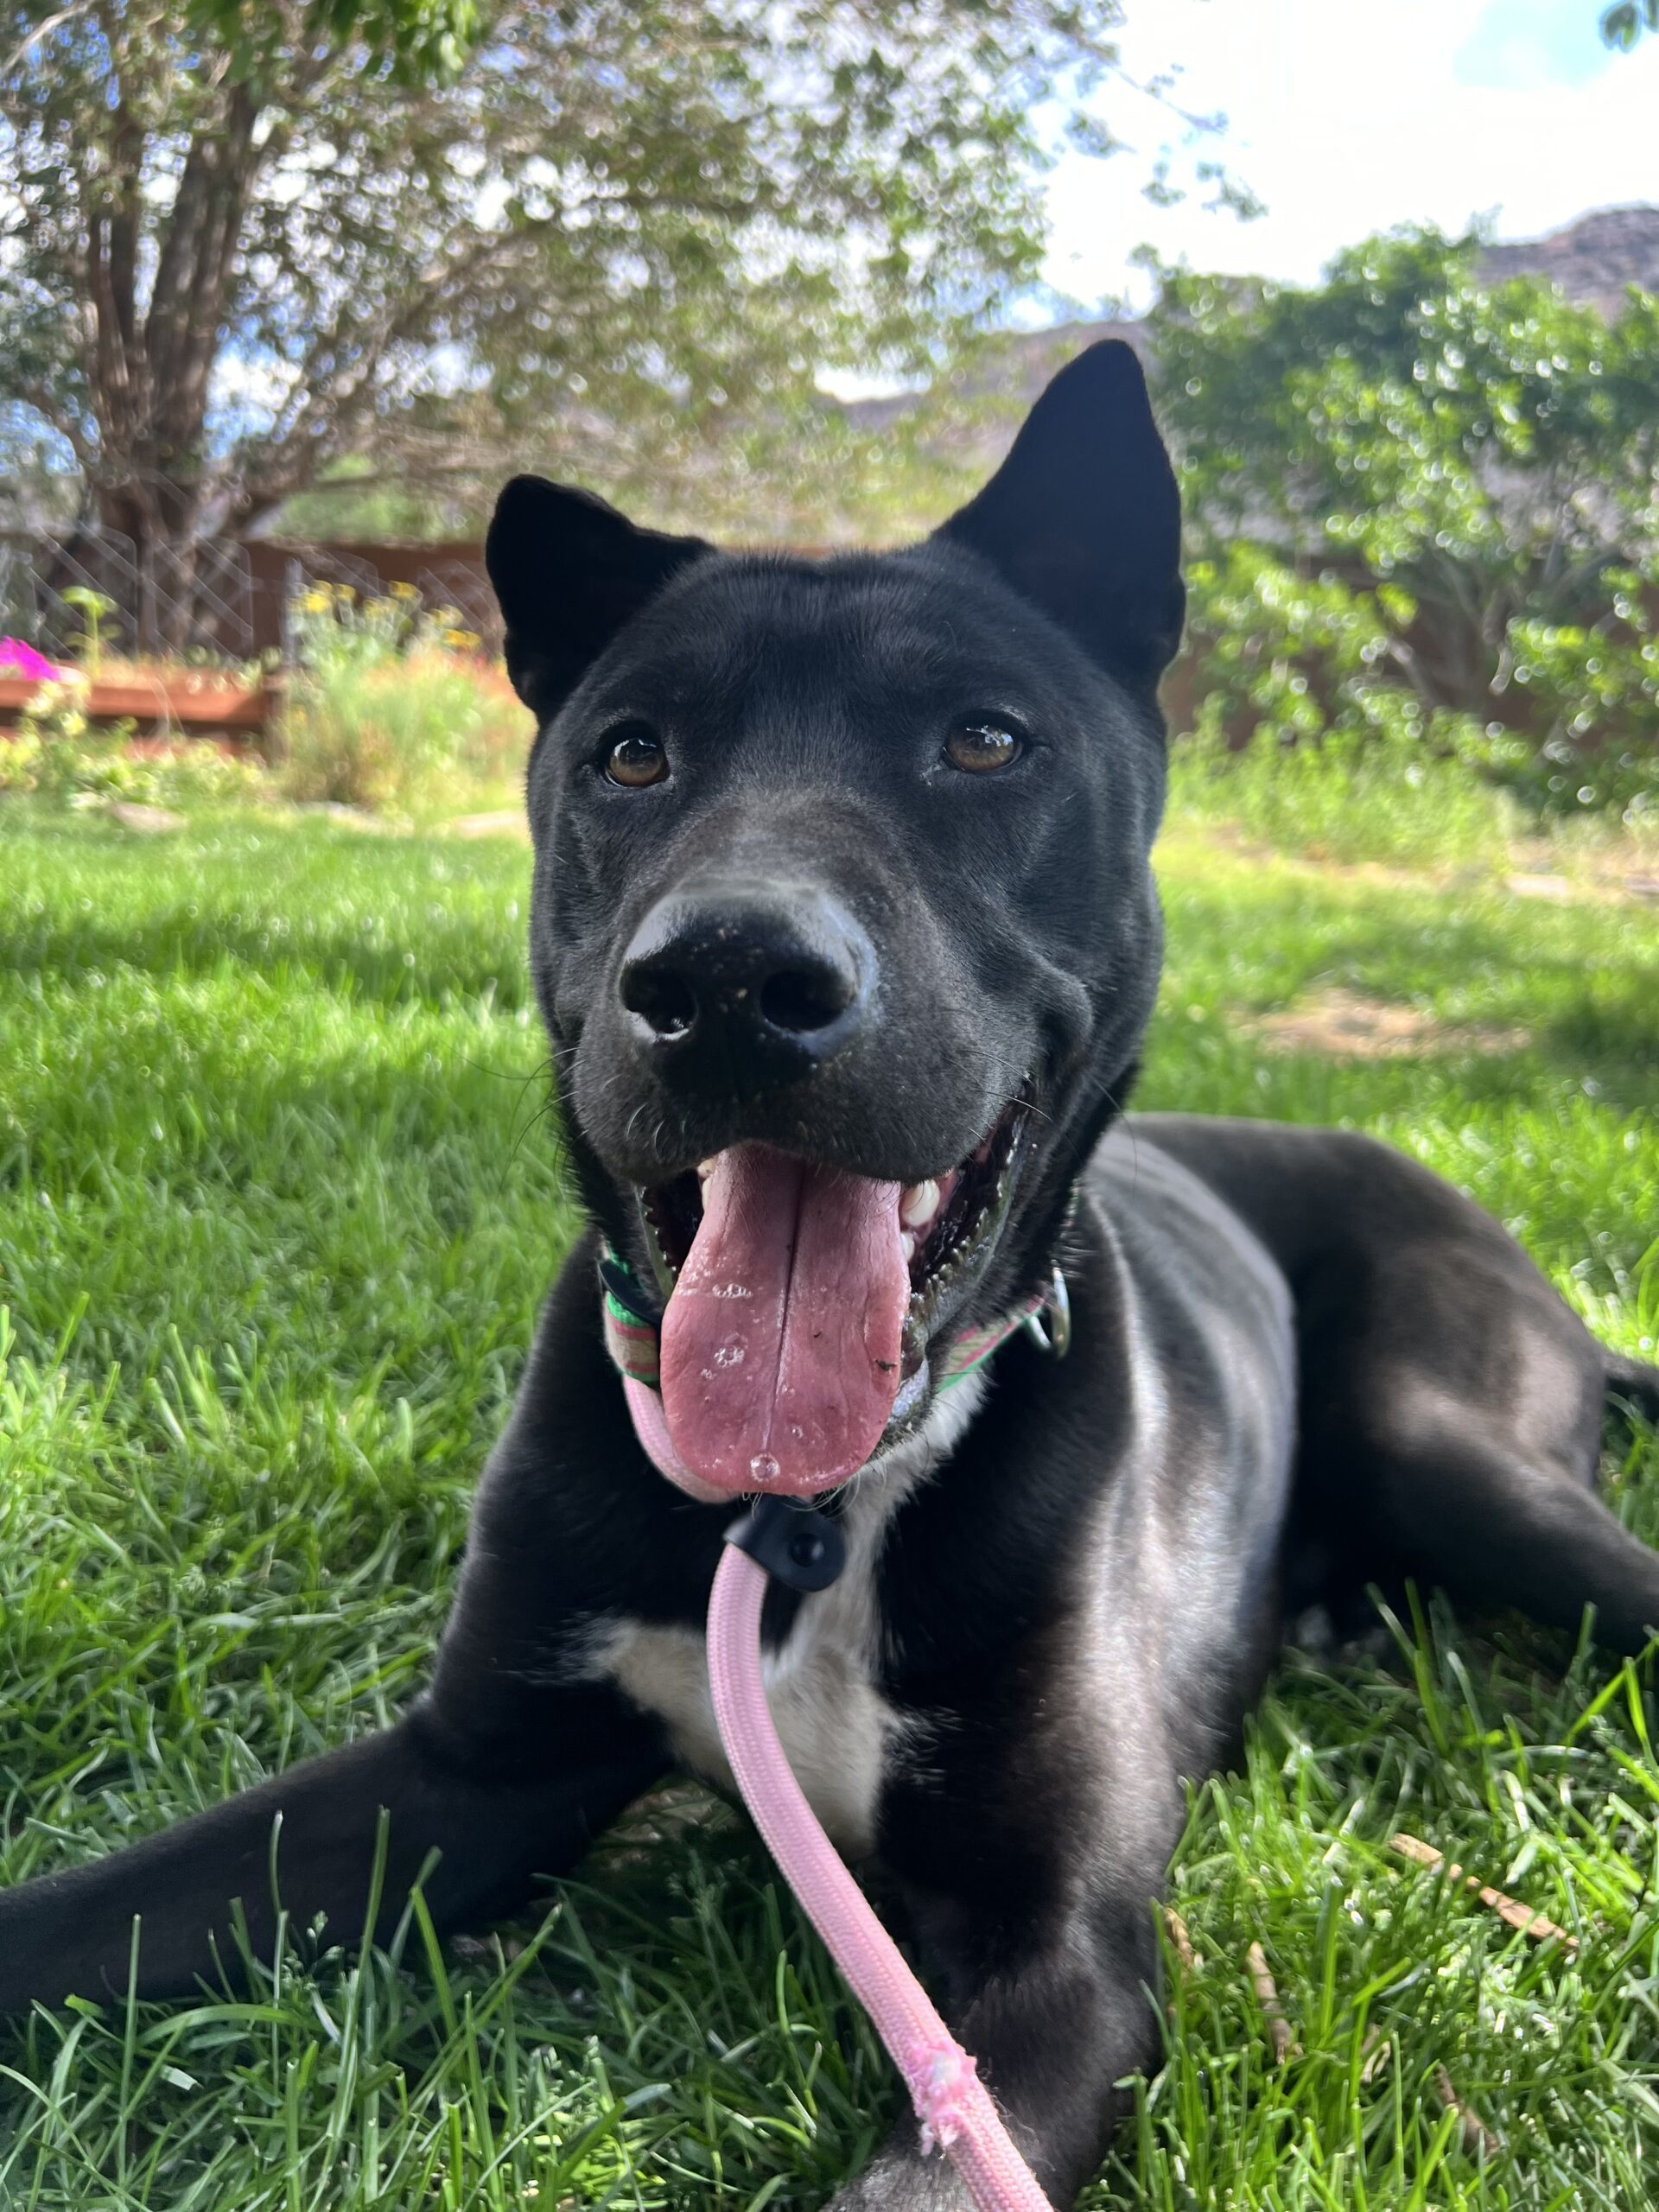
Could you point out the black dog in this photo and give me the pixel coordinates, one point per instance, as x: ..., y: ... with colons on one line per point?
x: 842, y: 897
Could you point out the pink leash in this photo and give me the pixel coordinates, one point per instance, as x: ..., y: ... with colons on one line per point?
x: 952, y: 2104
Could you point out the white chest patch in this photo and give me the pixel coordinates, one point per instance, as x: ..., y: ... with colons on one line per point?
x: 837, y: 1728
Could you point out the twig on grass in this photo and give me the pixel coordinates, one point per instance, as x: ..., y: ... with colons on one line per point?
x: 1375, y: 2055
x: 1510, y: 1910
x: 1266, y: 1996
x: 1478, y: 2139
x: 1180, y: 1936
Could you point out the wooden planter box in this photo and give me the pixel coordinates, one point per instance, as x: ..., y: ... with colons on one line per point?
x: 185, y: 699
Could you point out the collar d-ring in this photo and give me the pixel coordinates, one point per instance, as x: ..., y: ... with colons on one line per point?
x: 1050, y: 1326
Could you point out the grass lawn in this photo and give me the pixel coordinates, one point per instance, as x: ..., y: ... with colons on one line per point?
x: 277, y: 1203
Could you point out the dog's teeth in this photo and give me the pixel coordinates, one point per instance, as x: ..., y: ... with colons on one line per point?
x: 907, y: 1244
x: 919, y: 1205
x: 705, y: 1169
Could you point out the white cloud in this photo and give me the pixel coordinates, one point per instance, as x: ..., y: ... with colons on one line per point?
x: 1347, y: 121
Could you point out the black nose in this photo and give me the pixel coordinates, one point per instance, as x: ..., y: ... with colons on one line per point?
x: 736, y: 986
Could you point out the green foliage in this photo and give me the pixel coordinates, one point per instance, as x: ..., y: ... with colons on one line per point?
x: 353, y: 501
x: 407, y: 42
x: 55, y: 752
x: 1295, y: 656
x: 1403, y: 382
x: 391, y: 707
x: 1298, y: 738
x: 1427, y: 486
x: 1622, y: 24
x: 93, y: 609
x: 278, y: 1208
x: 419, y: 41
x: 1380, y: 795
x: 1589, y: 680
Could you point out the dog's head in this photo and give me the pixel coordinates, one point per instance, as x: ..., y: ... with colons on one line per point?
x: 843, y: 927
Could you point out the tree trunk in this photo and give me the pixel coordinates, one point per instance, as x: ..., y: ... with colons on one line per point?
x: 151, y: 370
x: 159, y: 522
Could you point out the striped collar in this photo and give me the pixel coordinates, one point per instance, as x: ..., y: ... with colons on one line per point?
x: 631, y: 1337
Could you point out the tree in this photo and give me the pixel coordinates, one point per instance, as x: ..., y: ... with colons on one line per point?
x: 242, y: 241
x: 1404, y: 481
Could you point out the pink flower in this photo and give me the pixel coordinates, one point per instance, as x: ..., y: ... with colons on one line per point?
x: 18, y: 659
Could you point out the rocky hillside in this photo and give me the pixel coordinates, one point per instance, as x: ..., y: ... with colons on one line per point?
x: 1592, y: 260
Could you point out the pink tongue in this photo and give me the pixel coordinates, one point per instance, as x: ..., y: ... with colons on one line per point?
x: 781, y: 1341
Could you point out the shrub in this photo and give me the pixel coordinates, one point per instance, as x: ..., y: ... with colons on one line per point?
x: 392, y: 704
x: 1599, y: 689
x: 1299, y: 738
x: 55, y: 752
x: 1467, y: 471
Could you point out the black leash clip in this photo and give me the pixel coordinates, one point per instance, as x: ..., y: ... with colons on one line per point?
x: 796, y: 1544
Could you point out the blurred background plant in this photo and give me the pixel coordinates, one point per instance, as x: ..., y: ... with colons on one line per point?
x: 1298, y: 738
x: 392, y: 706
x: 56, y: 754
x: 1425, y: 519
x: 94, y: 609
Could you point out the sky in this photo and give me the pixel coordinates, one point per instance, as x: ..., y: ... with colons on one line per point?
x: 1346, y: 119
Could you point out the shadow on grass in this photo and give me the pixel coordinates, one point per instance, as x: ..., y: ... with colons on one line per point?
x: 1591, y: 1016
x: 447, y: 961
x: 387, y: 920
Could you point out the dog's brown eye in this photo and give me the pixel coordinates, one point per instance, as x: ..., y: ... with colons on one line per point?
x: 636, y: 756
x: 982, y: 745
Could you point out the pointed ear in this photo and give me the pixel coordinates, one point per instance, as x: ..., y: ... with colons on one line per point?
x: 569, y: 571
x: 1083, y: 518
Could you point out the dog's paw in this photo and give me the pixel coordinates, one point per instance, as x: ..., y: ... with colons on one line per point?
x: 902, y: 2180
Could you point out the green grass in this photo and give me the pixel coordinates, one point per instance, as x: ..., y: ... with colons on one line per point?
x: 1374, y: 799
x: 277, y: 1203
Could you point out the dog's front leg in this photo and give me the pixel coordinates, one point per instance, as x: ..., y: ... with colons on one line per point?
x: 1054, y: 2022
x: 505, y: 1768
x: 1050, y: 1995
x: 306, y: 1843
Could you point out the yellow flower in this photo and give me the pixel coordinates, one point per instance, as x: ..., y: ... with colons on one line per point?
x: 403, y: 591
x: 462, y: 641
x: 315, y: 602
